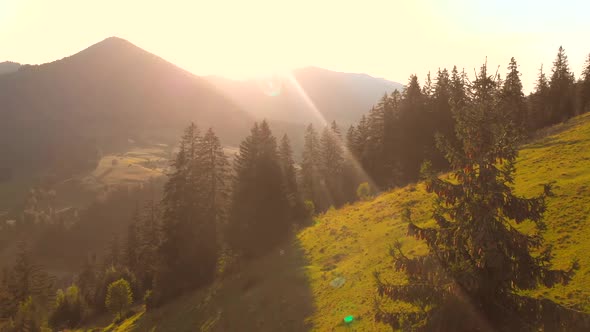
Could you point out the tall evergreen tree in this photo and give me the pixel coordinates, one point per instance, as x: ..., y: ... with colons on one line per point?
x: 130, y: 253
x: 413, y: 122
x: 332, y: 165
x: 290, y: 178
x: 191, y: 205
x: 442, y: 122
x: 214, y: 171
x: 561, y: 89
x: 310, y: 166
x: 584, y: 90
x: 477, y: 261
x: 512, y: 101
x: 259, y: 212
x: 539, y: 114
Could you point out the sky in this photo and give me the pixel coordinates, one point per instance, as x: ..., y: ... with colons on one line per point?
x: 246, y: 38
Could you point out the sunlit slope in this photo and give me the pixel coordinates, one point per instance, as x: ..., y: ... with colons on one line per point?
x: 293, y: 291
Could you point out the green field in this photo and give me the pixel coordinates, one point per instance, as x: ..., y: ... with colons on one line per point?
x: 290, y: 290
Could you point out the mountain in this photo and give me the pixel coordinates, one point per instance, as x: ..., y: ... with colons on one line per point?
x: 60, y: 115
x: 8, y: 67
x: 343, y: 97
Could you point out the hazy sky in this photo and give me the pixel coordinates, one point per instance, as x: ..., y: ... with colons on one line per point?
x: 243, y: 38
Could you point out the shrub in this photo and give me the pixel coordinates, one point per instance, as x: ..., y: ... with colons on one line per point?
x: 119, y: 297
x: 363, y: 191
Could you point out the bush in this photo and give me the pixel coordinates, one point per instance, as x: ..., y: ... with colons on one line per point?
x: 363, y: 191
x: 119, y: 297
x: 69, y: 309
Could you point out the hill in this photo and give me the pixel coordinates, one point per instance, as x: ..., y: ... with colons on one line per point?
x: 59, y: 118
x: 343, y: 97
x: 299, y: 286
x: 8, y: 67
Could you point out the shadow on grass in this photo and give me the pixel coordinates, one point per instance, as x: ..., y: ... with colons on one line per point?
x: 271, y: 293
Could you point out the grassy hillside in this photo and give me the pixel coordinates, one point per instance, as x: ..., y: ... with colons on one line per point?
x: 291, y: 290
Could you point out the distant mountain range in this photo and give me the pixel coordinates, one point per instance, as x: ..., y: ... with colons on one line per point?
x: 308, y: 95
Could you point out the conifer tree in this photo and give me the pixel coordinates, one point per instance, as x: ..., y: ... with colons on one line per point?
x: 512, y: 101
x: 188, y: 248
x: 477, y: 260
x: 584, y: 91
x: 413, y: 141
x: 259, y: 212
x: 561, y: 89
x: 332, y: 165
x: 442, y: 122
x: 539, y: 103
x: 130, y: 253
x: 214, y: 168
x: 310, y: 166
x: 289, y: 178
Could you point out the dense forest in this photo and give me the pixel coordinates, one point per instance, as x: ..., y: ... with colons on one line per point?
x: 213, y: 213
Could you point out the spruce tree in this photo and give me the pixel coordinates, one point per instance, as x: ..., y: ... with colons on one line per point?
x: 442, y: 122
x: 259, y: 213
x: 290, y: 179
x: 310, y: 166
x: 539, y: 103
x: 512, y: 101
x: 561, y: 89
x: 332, y: 165
x: 477, y: 261
x: 188, y: 248
x: 584, y: 91
x: 413, y: 122
x: 130, y: 253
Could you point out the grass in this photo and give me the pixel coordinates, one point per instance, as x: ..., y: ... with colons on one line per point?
x: 292, y: 292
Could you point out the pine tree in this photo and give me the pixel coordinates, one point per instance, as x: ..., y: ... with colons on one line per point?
x: 259, y: 213
x: 130, y: 253
x: 310, y: 166
x: 539, y: 103
x: 332, y: 165
x: 188, y: 248
x: 214, y: 167
x: 442, y: 122
x: 477, y: 260
x: 413, y: 122
x: 561, y: 89
x: 584, y: 91
x: 458, y: 88
x: 289, y: 178
x: 512, y: 101
x: 149, y: 244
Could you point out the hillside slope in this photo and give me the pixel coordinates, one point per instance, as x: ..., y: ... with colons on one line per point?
x: 291, y: 290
